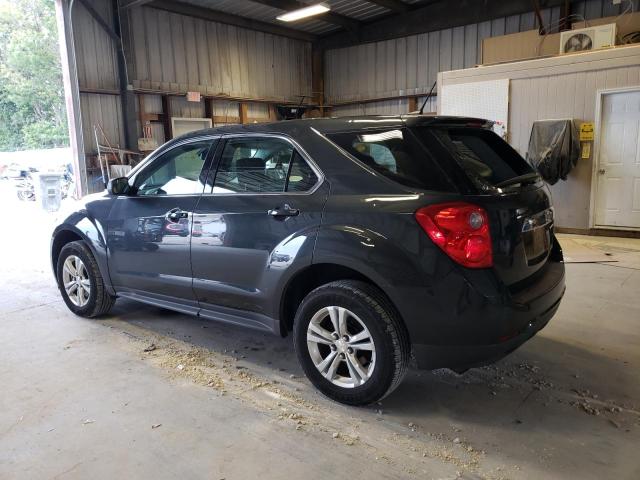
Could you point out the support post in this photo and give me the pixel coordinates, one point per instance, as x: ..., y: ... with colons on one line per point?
x: 127, y: 97
x: 317, y: 77
x: 72, y: 94
x: 208, y: 110
x: 413, y: 104
x: 273, y: 115
x: 243, y: 110
x: 166, y: 118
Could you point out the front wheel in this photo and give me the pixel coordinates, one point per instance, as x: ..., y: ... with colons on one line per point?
x: 80, y: 281
x: 351, y: 342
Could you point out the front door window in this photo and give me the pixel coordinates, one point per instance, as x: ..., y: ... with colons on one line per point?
x: 177, y: 172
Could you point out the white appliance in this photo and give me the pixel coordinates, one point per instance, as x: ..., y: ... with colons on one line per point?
x: 586, y: 39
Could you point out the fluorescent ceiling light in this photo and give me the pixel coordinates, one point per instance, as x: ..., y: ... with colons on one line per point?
x: 305, y: 12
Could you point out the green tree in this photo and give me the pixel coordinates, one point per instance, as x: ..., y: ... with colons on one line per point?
x: 32, y: 113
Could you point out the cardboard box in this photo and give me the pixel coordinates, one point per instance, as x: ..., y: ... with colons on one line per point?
x: 530, y: 44
x: 519, y: 46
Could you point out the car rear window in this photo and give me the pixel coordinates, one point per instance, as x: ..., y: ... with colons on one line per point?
x: 487, y: 159
x: 396, y: 154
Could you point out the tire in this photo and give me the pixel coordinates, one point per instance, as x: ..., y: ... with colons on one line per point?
x: 23, y: 195
x: 98, y: 301
x: 365, y: 307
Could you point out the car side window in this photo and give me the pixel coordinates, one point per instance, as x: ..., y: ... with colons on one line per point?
x: 302, y: 178
x: 261, y: 165
x: 176, y: 172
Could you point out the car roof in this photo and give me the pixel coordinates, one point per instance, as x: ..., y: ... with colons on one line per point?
x: 328, y: 125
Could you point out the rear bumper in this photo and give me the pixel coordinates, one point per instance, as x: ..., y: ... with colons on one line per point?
x: 527, y: 313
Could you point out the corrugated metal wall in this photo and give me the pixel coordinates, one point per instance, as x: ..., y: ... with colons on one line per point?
x: 564, y: 96
x: 177, y: 53
x: 409, y: 65
x: 96, y: 59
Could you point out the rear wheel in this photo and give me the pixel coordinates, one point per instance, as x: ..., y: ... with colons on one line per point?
x: 80, y: 281
x: 350, y: 342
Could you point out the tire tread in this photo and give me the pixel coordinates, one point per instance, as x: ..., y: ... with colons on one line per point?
x: 104, y: 301
x: 377, y: 301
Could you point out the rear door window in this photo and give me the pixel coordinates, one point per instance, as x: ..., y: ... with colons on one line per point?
x: 487, y: 160
x: 397, y: 155
x: 262, y: 165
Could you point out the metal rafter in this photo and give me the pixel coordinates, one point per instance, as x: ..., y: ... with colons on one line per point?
x: 393, y: 5
x: 133, y: 3
x: 230, y: 19
x: 429, y: 16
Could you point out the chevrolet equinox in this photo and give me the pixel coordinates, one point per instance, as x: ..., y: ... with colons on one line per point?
x: 372, y: 240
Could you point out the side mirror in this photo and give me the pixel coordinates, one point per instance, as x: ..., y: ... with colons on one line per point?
x: 118, y: 186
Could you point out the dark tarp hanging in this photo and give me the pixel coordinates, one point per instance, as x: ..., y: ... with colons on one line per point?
x: 554, y: 148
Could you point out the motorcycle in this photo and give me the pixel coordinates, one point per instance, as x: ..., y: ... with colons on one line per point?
x: 25, y: 187
x: 68, y: 185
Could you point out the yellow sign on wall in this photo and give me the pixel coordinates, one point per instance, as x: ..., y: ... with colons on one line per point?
x: 586, y: 132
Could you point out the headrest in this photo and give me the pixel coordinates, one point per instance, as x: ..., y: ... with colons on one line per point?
x: 250, y: 163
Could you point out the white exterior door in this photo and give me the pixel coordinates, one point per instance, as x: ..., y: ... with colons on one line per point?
x: 618, y: 173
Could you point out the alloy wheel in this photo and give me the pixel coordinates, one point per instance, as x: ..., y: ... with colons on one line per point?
x: 341, y: 347
x: 76, y: 282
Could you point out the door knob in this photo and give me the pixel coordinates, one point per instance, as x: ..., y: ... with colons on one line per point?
x: 601, y: 171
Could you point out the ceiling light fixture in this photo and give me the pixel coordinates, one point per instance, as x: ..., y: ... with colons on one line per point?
x: 305, y: 12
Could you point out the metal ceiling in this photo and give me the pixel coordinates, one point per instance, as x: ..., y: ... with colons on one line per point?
x: 360, y: 10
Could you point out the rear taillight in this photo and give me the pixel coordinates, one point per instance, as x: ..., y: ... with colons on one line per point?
x: 461, y: 230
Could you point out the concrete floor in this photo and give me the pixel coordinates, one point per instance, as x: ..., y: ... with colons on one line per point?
x: 82, y: 399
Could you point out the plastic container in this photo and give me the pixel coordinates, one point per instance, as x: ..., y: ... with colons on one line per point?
x: 48, y: 191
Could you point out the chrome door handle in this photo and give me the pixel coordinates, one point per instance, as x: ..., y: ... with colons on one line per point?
x: 284, y: 211
x: 175, y: 214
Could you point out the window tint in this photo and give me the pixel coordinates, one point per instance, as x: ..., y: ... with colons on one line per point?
x: 484, y: 156
x: 397, y: 155
x: 176, y: 172
x: 301, y: 177
x: 261, y: 165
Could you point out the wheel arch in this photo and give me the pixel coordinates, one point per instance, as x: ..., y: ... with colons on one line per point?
x: 313, y: 276
x: 66, y: 234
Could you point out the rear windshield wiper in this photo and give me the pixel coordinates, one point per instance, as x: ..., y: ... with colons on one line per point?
x: 526, y: 178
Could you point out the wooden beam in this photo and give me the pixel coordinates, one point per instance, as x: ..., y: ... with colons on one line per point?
x: 378, y: 99
x: 229, y: 19
x: 243, y: 110
x: 393, y: 5
x: 413, y: 104
x: 430, y: 17
x: 273, y: 115
x: 329, y: 17
x: 217, y: 119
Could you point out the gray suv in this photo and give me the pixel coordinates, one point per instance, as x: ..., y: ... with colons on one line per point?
x: 373, y: 240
